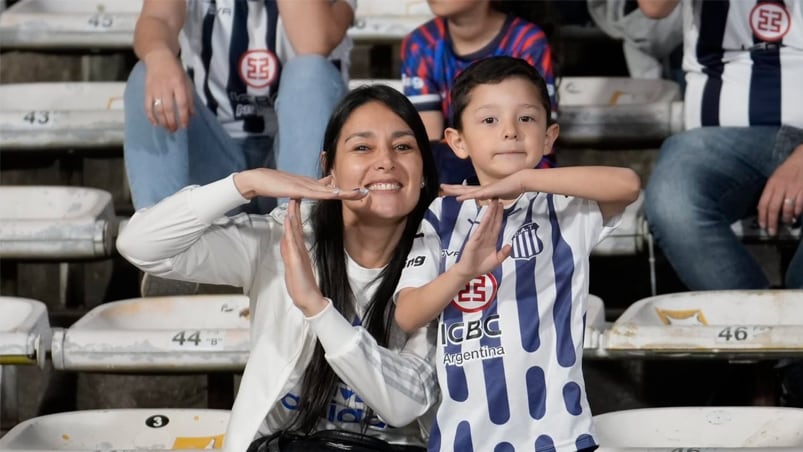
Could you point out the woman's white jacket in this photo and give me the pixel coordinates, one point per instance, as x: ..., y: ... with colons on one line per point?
x: 187, y: 237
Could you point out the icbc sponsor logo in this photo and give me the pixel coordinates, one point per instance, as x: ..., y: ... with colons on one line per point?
x: 477, y: 295
x: 769, y: 21
x: 259, y: 68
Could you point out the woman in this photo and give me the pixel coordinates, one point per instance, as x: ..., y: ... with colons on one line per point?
x: 321, y: 366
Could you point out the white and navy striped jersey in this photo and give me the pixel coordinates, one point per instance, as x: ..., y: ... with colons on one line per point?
x: 510, y: 343
x: 233, y: 51
x: 744, y: 62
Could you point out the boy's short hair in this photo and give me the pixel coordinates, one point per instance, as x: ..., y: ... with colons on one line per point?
x: 494, y: 70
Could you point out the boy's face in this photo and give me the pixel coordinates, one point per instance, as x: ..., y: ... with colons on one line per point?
x: 447, y: 8
x: 504, y: 129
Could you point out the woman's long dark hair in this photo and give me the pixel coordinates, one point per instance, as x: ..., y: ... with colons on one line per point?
x: 319, y: 383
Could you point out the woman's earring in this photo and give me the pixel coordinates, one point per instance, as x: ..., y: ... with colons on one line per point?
x: 423, y: 183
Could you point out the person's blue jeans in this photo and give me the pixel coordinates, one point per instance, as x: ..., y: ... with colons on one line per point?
x: 160, y: 163
x: 703, y: 181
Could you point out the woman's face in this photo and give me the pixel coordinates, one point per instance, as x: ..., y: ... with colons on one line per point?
x: 377, y: 151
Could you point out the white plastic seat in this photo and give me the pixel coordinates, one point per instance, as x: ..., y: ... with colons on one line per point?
x: 748, y: 230
x: 158, y: 334
x: 24, y: 331
x: 631, y: 234
x: 48, y: 24
x: 382, y: 20
x: 595, y: 326
x: 622, y: 110
x: 605, y: 110
x: 743, y: 324
x: 61, y: 115
x: 689, y: 428
x: 120, y: 429
x: 56, y: 223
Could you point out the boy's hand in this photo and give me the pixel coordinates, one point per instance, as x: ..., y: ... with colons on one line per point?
x: 298, y: 273
x: 480, y: 254
x: 507, y: 188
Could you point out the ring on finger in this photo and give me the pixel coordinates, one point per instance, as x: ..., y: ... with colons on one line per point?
x: 789, y: 201
x: 156, y: 102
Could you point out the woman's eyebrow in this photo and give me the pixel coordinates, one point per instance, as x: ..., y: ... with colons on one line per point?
x: 402, y: 133
x: 365, y: 134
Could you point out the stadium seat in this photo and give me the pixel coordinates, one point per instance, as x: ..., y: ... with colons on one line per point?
x: 158, y: 334
x: 55, y: 223
x: 607, y: 111
x: 740, y: 324
x: 47, y: 24
x: 686, y: 429
x: 595, y: 325
x: 24, y: 339
x: 120, y: 429
x: 61, y: 115
x: 24, y: 331
x: 382, y: 20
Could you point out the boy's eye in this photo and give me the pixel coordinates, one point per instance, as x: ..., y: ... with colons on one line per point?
x: 488, y: 120
x: 527, y: 119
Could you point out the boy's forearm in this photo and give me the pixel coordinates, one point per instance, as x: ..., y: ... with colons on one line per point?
x: 416, y: 307
x: 603, y: 184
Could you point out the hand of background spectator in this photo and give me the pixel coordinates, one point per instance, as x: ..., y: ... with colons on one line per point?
x: 278, y: 184
x: 480, y: 255
x: 298, y: 273
x: 783, y: 194
x: 168, y: 91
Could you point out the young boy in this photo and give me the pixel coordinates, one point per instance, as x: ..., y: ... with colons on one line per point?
x: 508, y: 273
x: 462, y: 32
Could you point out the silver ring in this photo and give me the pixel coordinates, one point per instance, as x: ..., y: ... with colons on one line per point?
x: 157, y: 102
x: 789, y: 201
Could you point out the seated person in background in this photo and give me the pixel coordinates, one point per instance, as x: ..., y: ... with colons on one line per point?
x: 466, y: 31
x: 742, y: 153
x: 332, y: 373
x: 513, y: 380
x: 212, y: 111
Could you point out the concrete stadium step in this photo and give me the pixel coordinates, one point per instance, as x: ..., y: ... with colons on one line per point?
x: 24, y: 331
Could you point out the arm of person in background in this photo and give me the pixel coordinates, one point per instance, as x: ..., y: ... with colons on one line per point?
x: 613, y: 188
x: 535, y: 50
x: 168, y: 91
x: 315, y: 26
x: 657, y: 9
x: 418, y: 306
x: 419, y: 84
x: 182, y: 238
x: 786, y: 183
x: 399, y: 385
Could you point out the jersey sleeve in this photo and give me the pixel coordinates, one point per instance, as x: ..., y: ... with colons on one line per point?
x: 417, y: 71
x: 424, y: 260
x: 188, y: 237
x: 398, y: 382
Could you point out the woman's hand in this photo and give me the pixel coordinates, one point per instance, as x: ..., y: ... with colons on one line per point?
x: 507, y: 188
x: 298, y: 274
x: 168, y: 91
x: 278, y: 184
x: 480, y: 254
x: 782, y: 198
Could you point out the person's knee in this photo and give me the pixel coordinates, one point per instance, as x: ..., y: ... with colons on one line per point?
x: 135, y: 85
